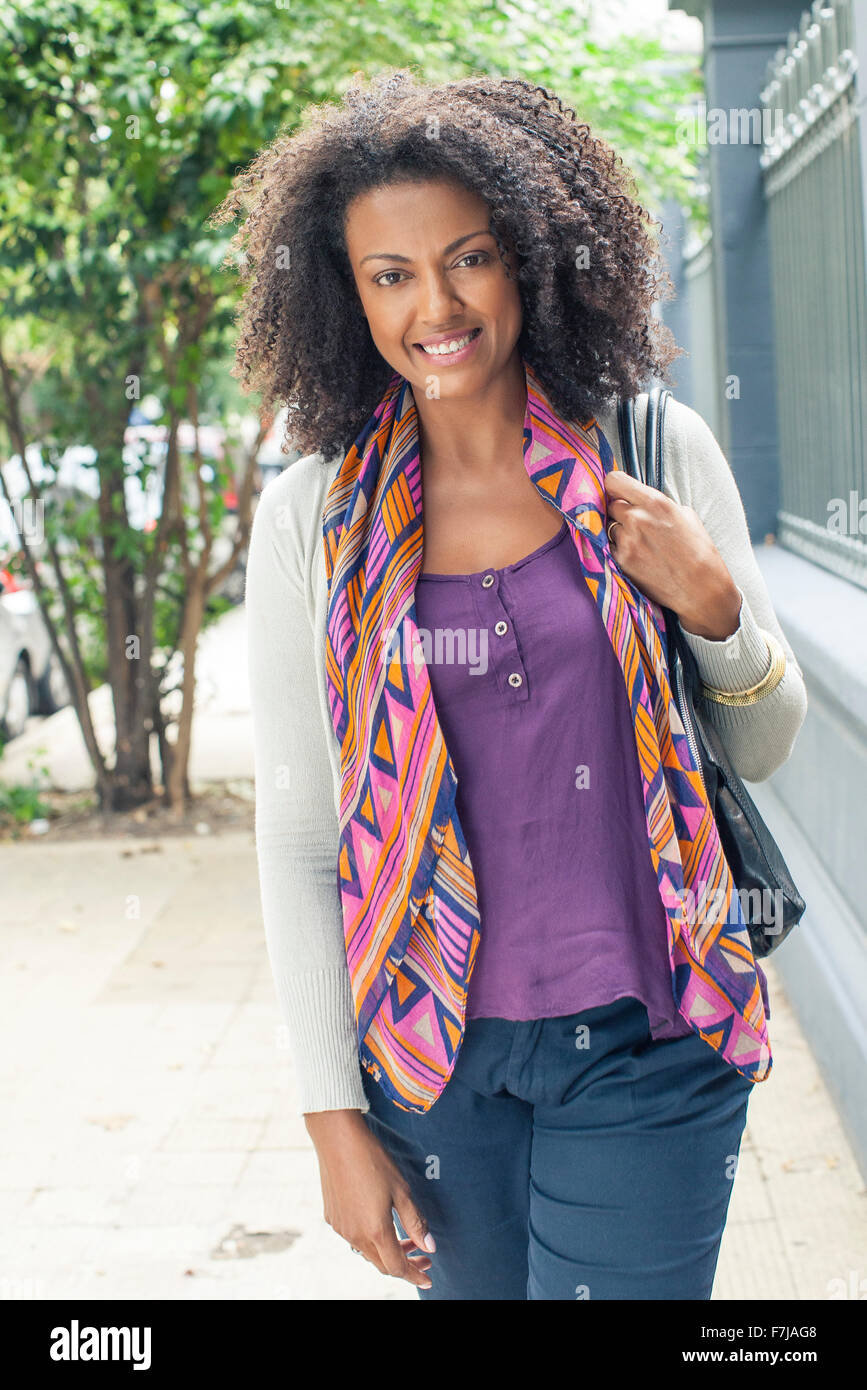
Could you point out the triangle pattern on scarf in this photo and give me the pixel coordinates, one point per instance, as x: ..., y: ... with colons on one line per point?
x: 410, y: 909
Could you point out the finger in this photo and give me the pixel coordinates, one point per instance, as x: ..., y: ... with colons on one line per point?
x: 411, y: 1249
x: 618, y: 483
x: 418, y: 1257
x: 396, y: 1262
x: 620, y: 508
x: 413, y: 1222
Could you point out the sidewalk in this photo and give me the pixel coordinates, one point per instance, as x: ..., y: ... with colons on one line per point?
x: 151, y: 1150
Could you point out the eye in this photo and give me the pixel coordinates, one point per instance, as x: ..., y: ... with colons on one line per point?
x: 381, y: 280
x: 480, y: 257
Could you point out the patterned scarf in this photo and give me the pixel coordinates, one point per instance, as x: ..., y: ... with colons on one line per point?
x: 408, y: 894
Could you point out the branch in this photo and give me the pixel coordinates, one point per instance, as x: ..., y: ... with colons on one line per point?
x: 74, y: 671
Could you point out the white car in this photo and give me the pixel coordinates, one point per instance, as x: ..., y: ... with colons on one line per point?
x: 31, y: 681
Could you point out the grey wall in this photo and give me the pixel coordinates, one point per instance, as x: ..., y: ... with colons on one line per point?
x: 816, y: 804
x: 740, y: 39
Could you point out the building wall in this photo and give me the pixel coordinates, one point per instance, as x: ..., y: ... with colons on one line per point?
x: 816, y: 805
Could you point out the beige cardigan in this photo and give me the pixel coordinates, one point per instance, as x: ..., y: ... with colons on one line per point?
x: 297, y: 757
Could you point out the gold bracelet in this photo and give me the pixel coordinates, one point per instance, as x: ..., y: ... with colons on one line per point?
x: 768, y: 682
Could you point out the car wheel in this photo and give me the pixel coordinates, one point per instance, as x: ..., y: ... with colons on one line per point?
x: 52, y: 690
x: 233, y: 588
x: 18, y: 701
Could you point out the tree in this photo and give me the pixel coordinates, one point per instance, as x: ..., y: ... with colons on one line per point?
x: 121, y: 126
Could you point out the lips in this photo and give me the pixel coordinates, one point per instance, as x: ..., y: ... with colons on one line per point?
x: 448, y: 345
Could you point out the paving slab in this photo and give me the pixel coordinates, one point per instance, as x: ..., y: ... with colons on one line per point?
x: 151, y: 1148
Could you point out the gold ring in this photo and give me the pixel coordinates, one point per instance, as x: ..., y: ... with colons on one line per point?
x: 611, y: 527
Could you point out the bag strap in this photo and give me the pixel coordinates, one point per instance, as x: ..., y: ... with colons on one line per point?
x: 651, y: 468
x: 628, y: 438
x: 653, y: 438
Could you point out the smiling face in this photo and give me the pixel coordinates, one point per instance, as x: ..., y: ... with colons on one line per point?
x: 432, y: 284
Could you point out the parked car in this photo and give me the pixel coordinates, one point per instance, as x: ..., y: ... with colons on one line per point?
x: 31, y: 680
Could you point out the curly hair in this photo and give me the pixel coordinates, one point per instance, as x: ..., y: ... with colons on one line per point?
x: 557, y: 195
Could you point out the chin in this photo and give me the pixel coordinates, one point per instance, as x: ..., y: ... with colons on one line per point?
x: 454, y: 383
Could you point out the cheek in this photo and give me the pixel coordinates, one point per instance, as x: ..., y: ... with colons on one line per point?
x: 384, y: 314
x: 386, y: 323
x: 508, y: 303
x: 504, y: 289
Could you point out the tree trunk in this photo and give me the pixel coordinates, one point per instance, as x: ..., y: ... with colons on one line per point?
x: 177, y: 784
x: 131, y: 782
x: 127, y: 646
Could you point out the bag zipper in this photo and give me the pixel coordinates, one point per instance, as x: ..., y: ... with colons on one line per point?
x: 687, y: 720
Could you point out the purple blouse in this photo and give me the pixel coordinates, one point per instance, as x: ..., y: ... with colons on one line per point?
x: 533, y: 707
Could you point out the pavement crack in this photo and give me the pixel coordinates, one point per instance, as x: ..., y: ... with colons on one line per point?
x: 241, y: 1244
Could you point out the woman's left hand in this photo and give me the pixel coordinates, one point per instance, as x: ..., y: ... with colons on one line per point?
x: 664, y: 549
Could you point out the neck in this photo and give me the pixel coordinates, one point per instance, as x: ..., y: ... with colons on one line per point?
x: 479, y: 433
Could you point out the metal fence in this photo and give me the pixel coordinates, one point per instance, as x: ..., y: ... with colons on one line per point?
x: 812, y: 183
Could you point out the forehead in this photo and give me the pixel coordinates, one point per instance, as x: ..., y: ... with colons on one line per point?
x: 422, y: 214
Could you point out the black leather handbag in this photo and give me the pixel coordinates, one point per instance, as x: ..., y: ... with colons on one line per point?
x: 770, y: 903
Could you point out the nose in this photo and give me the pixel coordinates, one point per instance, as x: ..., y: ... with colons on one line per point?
x: 438, y: 302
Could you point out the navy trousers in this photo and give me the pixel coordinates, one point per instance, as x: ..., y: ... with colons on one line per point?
x: 572, y: 1158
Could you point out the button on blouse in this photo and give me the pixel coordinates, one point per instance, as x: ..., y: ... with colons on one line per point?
x: 533, y: 708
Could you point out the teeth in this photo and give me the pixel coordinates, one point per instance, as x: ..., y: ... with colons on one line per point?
x: 441, y: 349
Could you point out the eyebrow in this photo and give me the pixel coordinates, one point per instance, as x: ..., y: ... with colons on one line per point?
x: 452, y: 246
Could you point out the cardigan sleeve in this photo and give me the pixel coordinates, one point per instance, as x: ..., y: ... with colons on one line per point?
x: 296, y: 820
x: 758, y: 738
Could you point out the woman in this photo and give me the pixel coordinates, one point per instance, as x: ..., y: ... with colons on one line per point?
x: 478, y: 823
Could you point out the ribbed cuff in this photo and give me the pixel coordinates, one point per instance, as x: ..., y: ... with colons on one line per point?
x: 320, y: 1016
x: 737, y: 662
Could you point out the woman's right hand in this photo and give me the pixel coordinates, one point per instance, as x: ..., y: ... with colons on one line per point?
x: 360, y: 1185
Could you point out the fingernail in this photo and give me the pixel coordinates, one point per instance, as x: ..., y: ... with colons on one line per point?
x: 429, y: 1242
